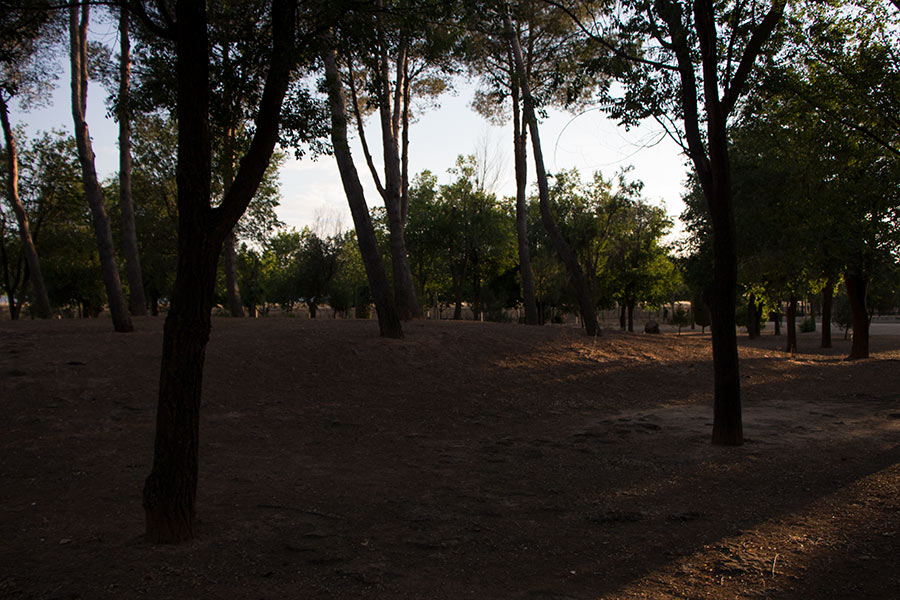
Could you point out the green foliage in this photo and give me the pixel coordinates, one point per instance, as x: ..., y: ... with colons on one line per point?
x: 681, y: 318
x: 616, y: 235
x: 461, y: 240
x: 807, y: 325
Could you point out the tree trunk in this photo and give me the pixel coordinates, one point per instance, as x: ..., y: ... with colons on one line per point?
x: 857, y: 287
x: 585, y: 296
x: 623, y: 319
x: 78, y: 39
x: 827, y: 304
x: 41, y: 301
x: 235, y: 306
x: 631, y: 316
x: 792, y: 326
x: 457, y: 304
x: 232, y: 291
x: 388, y: 316
x: 520, y: 136
x: 170, y: 489
x: 752, y: 317
x: 137, y: 302
x: 776, y: 317
x: 404, y: 289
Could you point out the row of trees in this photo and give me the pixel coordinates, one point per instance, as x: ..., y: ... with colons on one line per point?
x: 460, y: 238
x: 244, y: 80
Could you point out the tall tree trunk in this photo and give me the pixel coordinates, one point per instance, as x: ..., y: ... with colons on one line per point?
x: 776, y: 317
x: 792, y: 326
x: 41, y: 300
x: 623, y: 316
x: 631, y: 316
x: 710, y: 158
x: 137, y: 302
x: 827, y: 305
x: 171, y: 487
x: 857, y: 287
x: 78, y: 40
x: 232, y: 290
x: 520, y: 139
x: 404, y: 289
x: 388, y: 316
x: 585, y: 296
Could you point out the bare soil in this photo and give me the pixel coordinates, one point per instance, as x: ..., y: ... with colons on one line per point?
x: 468, y: 460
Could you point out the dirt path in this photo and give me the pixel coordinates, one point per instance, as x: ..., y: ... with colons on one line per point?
x: 465, y: 461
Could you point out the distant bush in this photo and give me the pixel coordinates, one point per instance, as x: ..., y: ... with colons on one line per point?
x: 807, y: 325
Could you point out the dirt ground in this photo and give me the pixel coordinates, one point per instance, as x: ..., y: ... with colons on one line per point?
x: 468, y: 460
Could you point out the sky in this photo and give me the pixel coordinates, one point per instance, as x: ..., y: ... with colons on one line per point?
x: 311, y: 189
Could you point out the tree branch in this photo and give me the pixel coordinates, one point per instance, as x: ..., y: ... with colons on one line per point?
x: 760, y: 35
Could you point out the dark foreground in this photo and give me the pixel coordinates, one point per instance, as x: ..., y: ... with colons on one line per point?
x: 465, y: 461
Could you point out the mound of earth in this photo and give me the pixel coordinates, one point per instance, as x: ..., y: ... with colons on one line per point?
x: 468, y: 460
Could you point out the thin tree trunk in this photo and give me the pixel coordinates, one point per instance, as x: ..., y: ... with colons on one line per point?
x: 752, y: 318
x: 137, y: 302
x: 623, y: 322
x: 78, y: 39
x: 229, y: 264
x: 233, y: 292
x: 585, y: 297
x: 520, y: 140
x: 792, y: 326
x: 41, y: 300
x: 404, y: 290
x: 857, y: 287
x: 388, y: 316
x: 827, y: 304
x: 631, y: 316
x: 171, y: 487
x: 776, y: 317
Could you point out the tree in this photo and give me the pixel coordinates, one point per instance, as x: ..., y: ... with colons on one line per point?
x: 170, y: 489
x: 388, y: 316
x: 550, y: 50
x: 318, y: 264
x: 689, y: 65
x: 460, y: 235
x: 78, y: 26
x: 586, y: 302
x: 19, y: 59
x: 402, y: 55
x: 137, y: 302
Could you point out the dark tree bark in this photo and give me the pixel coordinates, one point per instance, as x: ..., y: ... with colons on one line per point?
x: 827, y: 305
x: 792, y: 326
x: 857, y: 288
x: 776, y: 317
x: 623, y: 317
x: 137, y: 302
x: 78, y: 55
x: 229, y: 264
x: 752, y: 318
x: 170, y: 489
x: 41, y: 301
x: 233, y: 292
x: 710, y: 160
x: 520, y: 139
x: 631, y: 316
x: 388, y: 316
x: 404, y: 289
x: 586, y: 302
